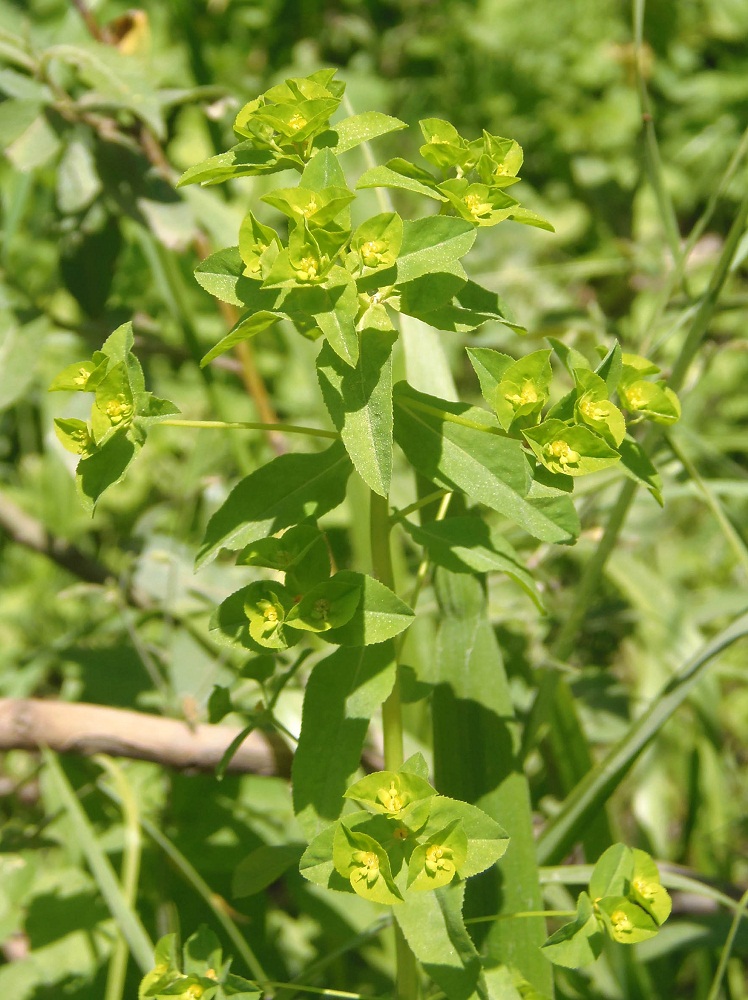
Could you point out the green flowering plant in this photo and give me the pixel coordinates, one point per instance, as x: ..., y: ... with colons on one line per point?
x: 548, y: 417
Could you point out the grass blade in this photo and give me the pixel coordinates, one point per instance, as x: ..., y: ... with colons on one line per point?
x: 127, y: 919
x: 596, y: 787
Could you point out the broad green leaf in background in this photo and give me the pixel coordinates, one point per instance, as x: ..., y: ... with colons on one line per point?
x: 359, y: 400
x: 433, y: 927
x: 281, y: 493
x: 343, y: 692
x: 476, y: 747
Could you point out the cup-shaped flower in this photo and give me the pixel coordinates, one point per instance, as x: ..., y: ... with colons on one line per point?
x: 478, y: 203
x: 625, y: 920
x: 569, y: 449
x: 593, y: 408
x: 436, y: 862
x: 654, y: 400
x: 266, y: 605
x: 377, y: 241
x: 391, y: 793
x: 523, y: 390
x: 646, y: 889
x: 327, y: 605
x: 255, y: 240
x: 75, y: 436
x: 114, y: 407
x: 364, y: 862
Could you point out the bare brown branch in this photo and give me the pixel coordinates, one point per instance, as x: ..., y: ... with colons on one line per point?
x: 31, y: 723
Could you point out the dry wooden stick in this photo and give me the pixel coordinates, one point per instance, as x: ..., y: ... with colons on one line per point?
x: 30, y: 723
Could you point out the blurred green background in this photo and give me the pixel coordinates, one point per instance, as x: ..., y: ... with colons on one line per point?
x: 93, y: 233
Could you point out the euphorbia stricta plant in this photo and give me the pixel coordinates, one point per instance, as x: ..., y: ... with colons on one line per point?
x: 551, y: 416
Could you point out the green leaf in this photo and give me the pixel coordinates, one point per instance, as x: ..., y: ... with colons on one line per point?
x: 333, y: 306
x: 638, y: 466
x: 264, y: 866
x: 219, y: 704
x: 323, y: 171
x: 472, y: 695
x: 301, y: 553
x: 222, y: 274
x: 577, y: 943
x: 318, y: 207
x: 479, y: 204
x: 613, y: 872
x: 369, y: 125
x: 380, y: 615
x: 247, y: 327
x: 388, y: 178
x: 469, y: 307
x: 469, y: 545
x: 489, y: 366
x: 433, y: 245
x: 342, y: 694
x: 473, y: 457
x: 104, y: 468
x: 78, y: 377
x: 327, y: 605
x: 611, y: 367
x: 359, y: 401
x: 242, y: 160
x: 436, y: 934
x: 74, y: 435
x: 287, y: 490
x: 487, y: 841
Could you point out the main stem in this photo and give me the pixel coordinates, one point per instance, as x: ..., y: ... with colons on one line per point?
x: 392, y: 721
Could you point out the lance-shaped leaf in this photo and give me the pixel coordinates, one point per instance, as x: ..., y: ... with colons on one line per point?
x: 104, y: 468
x: 364, y: 862
x: 569, y: 450
x: 341, y: 696
x: 286, y: 491
x: 380, y: 614
x: 246, y: 327
x: 613, y: 872
x: 638, y: 466
x: 460, y: 447
x: 332, y: 306
x: 403, y: 176
x: 448, y: 303
x: 489, y: 366
x: 359, y: 400
x: 351, y: 132
x: 469, y: 545
x: 242, y: 160
x: 579, y: 942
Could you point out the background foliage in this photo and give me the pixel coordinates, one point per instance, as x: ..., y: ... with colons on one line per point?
x: 93, y: 233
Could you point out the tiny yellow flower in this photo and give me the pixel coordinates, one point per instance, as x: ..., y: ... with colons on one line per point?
x: 528, y: 394
x: 311, y: 207
x: 477, y: 208
x: 118, y: 409
x: 391, y: 799
x: 368, y: 870
x: 297, y: 121
x: 82, y: 377
x: 372, y: 252
x: 621, y: 922
x: 643, y: 887
x: 308, y: 269
x: 321, y: 610
x: 439, y: 858
x: 636, y: 396
x: 592, y: 410
x: 562, y: 452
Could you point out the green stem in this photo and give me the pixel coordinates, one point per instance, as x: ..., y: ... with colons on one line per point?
x: 726, y: 950
x: 407, y: 980
x: 115, y: 982
x: 250, y: 426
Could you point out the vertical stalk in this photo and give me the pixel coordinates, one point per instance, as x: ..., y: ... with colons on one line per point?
x: 407, y: 980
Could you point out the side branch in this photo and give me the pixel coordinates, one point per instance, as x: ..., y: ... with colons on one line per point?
x: 30, y: 723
